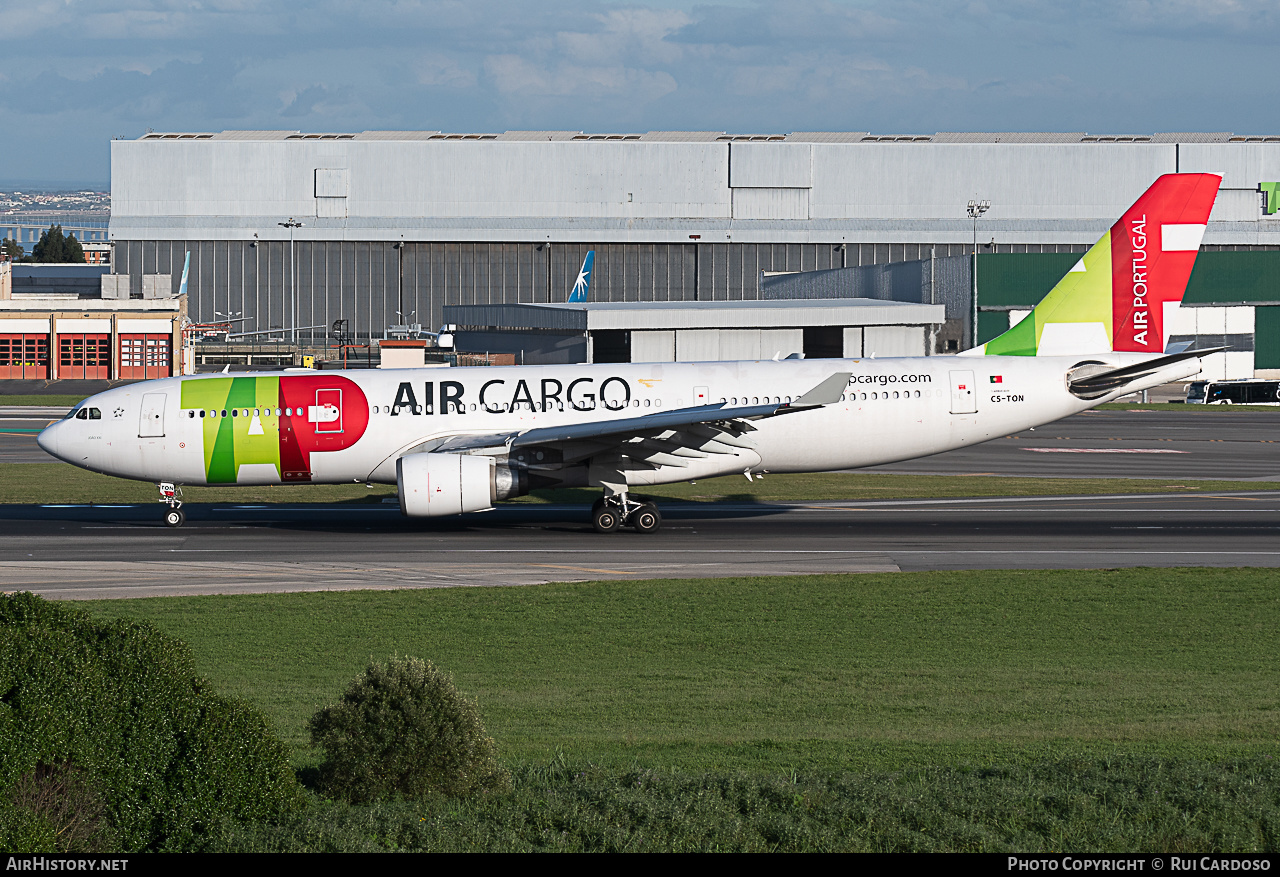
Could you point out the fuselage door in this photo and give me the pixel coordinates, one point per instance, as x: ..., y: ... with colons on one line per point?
x: 327, y: 413
x: 151, y: 420
x: 964, y: 396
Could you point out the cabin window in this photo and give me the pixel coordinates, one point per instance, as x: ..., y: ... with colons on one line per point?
x: 191, y: 413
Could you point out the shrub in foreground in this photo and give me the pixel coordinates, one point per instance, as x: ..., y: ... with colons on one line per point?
x: 108, y: 738
x: 403, y: 728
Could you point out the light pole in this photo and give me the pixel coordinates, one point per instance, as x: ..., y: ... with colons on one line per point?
x: 976, y: 209
x: 293, y: 276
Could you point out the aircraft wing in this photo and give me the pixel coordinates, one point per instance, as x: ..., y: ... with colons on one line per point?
x: 686, y: 429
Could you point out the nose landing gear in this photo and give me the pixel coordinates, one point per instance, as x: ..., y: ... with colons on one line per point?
x: 171, y: 495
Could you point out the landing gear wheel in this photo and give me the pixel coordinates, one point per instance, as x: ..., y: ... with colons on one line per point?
x: 646, y: 519
x: 175, y: 517
x: 605, y: 518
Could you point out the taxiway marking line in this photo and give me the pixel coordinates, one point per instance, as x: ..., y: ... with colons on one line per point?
x: 612, y: 572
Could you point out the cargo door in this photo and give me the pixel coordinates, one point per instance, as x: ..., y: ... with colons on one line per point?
x: 700, y: 396
x: 151, y: 420
x: 964, y: 396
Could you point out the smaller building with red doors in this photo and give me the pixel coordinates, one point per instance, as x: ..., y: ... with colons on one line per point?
x: 95, y: 339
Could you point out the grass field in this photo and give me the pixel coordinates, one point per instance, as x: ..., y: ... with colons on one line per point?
x: 825, y: 672
x: 36, y: 483
x: 1110, y: 710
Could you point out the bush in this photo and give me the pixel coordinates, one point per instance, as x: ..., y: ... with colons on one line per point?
x: 113, y: 714
x: 402, y: 728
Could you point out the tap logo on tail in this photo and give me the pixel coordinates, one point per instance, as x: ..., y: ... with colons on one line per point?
x: 1115, y: 296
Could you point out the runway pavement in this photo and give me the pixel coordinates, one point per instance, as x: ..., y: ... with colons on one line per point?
x: 105, y: 551
x: 18, y: 428
x: 1216, y: 443
x: 97, y: 552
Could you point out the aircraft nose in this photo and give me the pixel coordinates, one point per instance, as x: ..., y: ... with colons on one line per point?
x: 48, y: 439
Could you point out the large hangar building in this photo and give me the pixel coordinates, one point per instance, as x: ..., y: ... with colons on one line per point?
x: 395, y: 226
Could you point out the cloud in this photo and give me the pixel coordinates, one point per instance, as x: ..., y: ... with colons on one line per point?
x: 88, y: 71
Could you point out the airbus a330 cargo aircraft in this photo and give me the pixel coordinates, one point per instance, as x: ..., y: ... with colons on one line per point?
x: 458, y: 440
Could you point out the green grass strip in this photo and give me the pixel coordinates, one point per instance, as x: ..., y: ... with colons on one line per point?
x: 62, y: 401
x: 848, y: 672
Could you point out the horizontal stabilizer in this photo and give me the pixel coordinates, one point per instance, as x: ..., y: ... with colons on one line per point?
x: 1099, y: 383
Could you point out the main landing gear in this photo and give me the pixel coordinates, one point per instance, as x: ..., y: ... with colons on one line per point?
x: 613, y: 511
x: 174, y: 516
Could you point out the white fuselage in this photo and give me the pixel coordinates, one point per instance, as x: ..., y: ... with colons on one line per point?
x: 210, y: 429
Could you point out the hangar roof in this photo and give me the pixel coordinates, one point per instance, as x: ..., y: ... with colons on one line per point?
x: 721, y: 136
x: 594, y: 316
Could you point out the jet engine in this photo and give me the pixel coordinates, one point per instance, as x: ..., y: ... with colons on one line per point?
x: 432, y: 485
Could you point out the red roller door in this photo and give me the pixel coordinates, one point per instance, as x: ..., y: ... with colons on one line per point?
x: 84, y: 356
x: 145, y: 357
x: 24, y: 356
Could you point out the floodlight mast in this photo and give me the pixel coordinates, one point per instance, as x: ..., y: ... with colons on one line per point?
x: 976, y: 209
x: 291, y: 224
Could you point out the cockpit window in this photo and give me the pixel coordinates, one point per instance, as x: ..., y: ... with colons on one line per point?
x: 84, y: 414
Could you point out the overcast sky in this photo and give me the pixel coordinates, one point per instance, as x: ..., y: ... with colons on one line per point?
x: 74, y: 74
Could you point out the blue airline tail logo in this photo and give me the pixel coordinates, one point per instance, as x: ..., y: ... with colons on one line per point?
x: 583, y: 284
x: 186, y: 266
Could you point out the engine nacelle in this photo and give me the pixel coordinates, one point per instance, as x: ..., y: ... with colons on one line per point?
x: 432, y: 485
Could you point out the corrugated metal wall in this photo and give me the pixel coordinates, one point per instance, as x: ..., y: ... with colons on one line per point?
x: 361, y: 281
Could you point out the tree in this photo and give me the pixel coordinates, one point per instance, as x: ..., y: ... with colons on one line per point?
x: 12, y: 249
x: 53, y: 246
x: 72, y: 251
